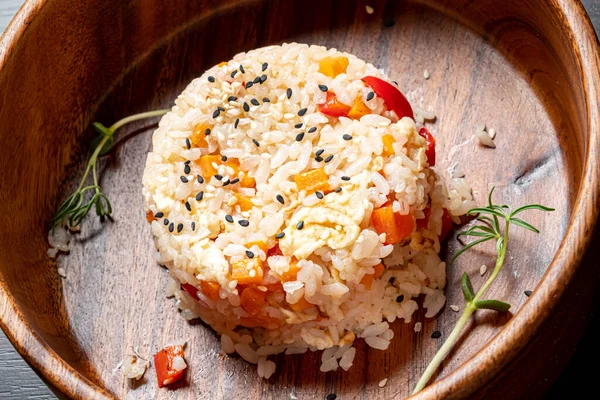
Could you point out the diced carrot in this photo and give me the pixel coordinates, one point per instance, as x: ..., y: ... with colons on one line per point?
x: 244, y: 202
x: 274, y: 287
x: 198, y: 138
x: 333, y: 107
x: 359, y: 109
x: 405, y: 224
x: 163, y: 364
x: 368, y: 279
x: 210, y: 289
x: 313, y: 180
x: 388, y: 148
x: 206, y: 164
x: 333, y: 66
x: 379, y: 268
x: 301, y: 304
x: 261, y: 245
x: 222, y: 64
x: 247, y: 271
x: 292, y: 273
x: 246, y: 181
x: 150, y: 216
x: 384, y: 222
x: 252, y: 301
x: 274, y: 251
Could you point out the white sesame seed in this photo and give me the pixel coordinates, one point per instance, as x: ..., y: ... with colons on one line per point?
x: 482, y: 270
x: 454, y: 308
x: 383, y: 382
x: 492, y: 133
x: 369, y: 9
x: 426, y: 74
x: 418, y: 327
x: 62, y: 273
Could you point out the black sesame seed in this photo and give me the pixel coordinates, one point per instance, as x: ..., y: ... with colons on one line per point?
x: 319, y: 152
x: 395, y: 83
x: 237, y: 122
x: 242, y: 70
x: 338, y: 190
x: 319, y: 194
x: 229, y: 218
x: 216, y: 113
x: 231, y: 98
x: 299, y: 137
x: 171, y: 227
x: 300, y: 225
x: 256, y: 80
x: 249, y: 254
x: 391, y: 280
x: 188, y: 144
x: 255, y: 102
x: 318, y: 158
x: 302, y: 112
x: 323, y: 88
x: 246, y: 107
x: 221, y: 108
x: 265, y: 66
x: 436, y: 335
x: 187, y: 162
x: 243, y: 222
x: 280, y: 235
x: 211, y: 79
x: 345, y: 178
x: 400, y: 299
x: 329, y: 158
x: 234, y: 181
x: 207, y: 131
x: 159, y: 214
x: 183, y: 179
x: 218, y: 177
x: 193, y: 226
x: 199, y: 196
x: 223, y: 158
x: 528, y: 293
x: 280, y: 199
x: 188, y: 206
x: 249, y: 84
x: 311, y: 130
x: 233, y: 73
x: 200, y: 179
x: 186, y: 169
x: 226, y: 183
x: 166, y: 221
x: 370, y: 96
x: 256, y: 142
x: 347, y: 137
x: 263, y: 78
x: 331, y: 396
x: 288, y: 93
x: 179, y: 227
x: 266, y: 100
x: 298, y: 126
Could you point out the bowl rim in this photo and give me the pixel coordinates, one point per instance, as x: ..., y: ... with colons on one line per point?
x: 474, y: 372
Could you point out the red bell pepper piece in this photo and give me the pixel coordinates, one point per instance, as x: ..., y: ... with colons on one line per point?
x: 446, y: 225
x: 333, y: 107
x: 191, y: 290
x: 424, y: 222
x: 393, y: 98
x: 274, y: 251
x: 163, y: 363
x: 430, y: 152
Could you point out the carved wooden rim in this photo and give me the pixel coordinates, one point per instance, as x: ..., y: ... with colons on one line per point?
x: 474, y: 372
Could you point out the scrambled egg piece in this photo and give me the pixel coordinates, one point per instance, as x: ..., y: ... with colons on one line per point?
x: 335, y: 224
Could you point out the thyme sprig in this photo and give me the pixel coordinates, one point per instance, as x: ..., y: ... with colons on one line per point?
x: 493, y: 218
x: 75, y: 208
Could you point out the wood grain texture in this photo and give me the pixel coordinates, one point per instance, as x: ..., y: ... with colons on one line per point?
x: 528, y: 71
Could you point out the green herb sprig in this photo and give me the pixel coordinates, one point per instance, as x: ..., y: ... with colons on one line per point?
x: 75, y: 208
x: 493, y: 217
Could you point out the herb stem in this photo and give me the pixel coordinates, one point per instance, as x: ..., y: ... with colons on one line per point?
x: 136, y: 117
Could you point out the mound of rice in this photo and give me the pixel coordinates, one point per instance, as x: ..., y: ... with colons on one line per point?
x: 261, y: 207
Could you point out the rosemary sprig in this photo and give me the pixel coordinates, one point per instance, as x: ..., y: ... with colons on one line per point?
x: 492, y: 216
x: 75, y: 208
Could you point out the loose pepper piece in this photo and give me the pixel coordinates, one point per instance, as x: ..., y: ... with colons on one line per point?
x: 313, y: 180
x: 393, y: 98
x: 333, y: 107
x: 430, y: 152
x: 163, y: 363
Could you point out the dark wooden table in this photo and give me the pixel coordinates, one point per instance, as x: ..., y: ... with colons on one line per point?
x: 18, y: 381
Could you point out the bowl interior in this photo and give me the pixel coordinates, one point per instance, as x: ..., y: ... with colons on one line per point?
x: 500, y: 65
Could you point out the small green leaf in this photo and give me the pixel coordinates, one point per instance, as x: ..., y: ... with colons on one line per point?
x: 486, y: 210
x: 101, y: 129
x: 495, y: 305
x: 523, y: 224
x: 107, y: 146
x: 467, y: 287
x: 532, y: 207
x: 468, y: 246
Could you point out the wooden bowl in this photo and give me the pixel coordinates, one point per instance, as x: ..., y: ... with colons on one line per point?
x: 528, y: 69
